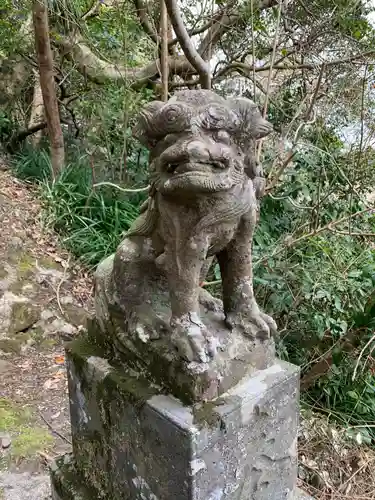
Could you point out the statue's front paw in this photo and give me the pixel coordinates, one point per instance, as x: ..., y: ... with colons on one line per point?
x: 192, y: 338
x: 252, y: 322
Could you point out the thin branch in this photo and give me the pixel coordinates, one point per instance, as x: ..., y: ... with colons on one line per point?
x: 330, y: 226
x: 289, y: 241
x: 124, y: 190
x: 253, y: 46
x: 280, y: 171
x: 372, y: 339
x: 93, y: 10
x: 198, y: 31
x: 53, y: 430
x: 351, y: 233
x: 286, y: 67
x: 227, y: 21
x: 273, y: 57
x: 275, y: 41
x: 142, y: 13
x: 191, y: 53
x: 315, y: 95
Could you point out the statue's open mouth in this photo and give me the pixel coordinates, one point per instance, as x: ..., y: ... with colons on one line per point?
x: 189, y: 167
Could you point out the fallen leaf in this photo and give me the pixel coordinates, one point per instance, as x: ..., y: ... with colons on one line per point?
x: 59, y: 360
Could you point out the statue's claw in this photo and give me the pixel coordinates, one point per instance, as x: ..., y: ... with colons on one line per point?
x: 191, y: 338
x: 252, y: 322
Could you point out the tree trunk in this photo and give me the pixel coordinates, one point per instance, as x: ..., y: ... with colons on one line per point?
x: 164, y: 66
x: 47, y: 83
x: 37, y: 111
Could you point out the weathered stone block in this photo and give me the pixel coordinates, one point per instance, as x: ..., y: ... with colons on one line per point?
x: 68, y: 485
x: 131, y: 441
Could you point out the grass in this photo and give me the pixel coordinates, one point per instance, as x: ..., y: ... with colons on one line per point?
x: 27, y: 438
x: 89, y: 221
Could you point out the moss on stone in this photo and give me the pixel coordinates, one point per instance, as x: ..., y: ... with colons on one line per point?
x: 27, y: 438
x: 49, y: 263
x: 205, y: 414
x: 37, y: 333
x: 75, y: 315
x: 10, y: 345
x: 67, y: 482
x: 23, y: 316
x: 17, y: 286
x: 23, y: 337
x: 25, y: 263
x: 30, y: 441
x: 48, y: 343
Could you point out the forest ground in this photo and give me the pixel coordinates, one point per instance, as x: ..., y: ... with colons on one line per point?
x: 44, y: 299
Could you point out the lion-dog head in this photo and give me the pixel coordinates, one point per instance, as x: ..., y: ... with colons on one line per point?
x: 199, y: 142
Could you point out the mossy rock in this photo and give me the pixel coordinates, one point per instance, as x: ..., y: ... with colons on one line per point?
x: 27, y: 438
x: 10, y: 345
x: 18, y: 287
x: 48, y: 343
x: 3, y: 275
x: 24, y: 316
x: 24, y: 263
x: 49, y: 263
x: 77, y: 316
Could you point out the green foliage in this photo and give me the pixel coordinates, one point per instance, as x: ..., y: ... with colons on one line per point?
x: 89, y: 220
x: 110, y: 116
x: 319, y: 284
x: 13, y: 16
x: 6, y: 127
x: 32, y: 165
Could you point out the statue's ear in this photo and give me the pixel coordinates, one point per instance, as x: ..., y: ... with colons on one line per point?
x: 252, y: 122
x: 144, y: 130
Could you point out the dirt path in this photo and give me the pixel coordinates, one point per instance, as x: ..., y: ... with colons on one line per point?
x: 44, y: 299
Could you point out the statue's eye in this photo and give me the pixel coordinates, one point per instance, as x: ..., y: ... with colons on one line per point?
x: 221, y: 136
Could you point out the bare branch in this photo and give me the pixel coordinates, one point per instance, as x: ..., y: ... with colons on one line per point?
x: 227, y: 20
x: 191, y: 53
x: 308, y: 66
x: 99, y: 71
x: 22, y: 134
x: 164, y: 50
x: 315, y: 95
x: 198, y: 31
x: 331, y: 226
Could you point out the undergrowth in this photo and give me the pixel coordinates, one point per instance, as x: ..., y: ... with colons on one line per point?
x: 320, y: 290
x: 89, y: 220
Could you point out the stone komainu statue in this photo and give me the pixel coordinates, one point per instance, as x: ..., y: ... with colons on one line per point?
x: 203, y: 202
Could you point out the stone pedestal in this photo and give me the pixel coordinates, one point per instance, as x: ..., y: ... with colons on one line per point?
x: 131, y: 441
